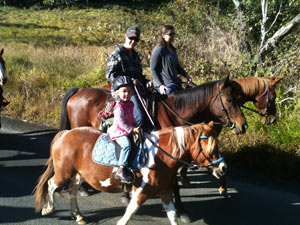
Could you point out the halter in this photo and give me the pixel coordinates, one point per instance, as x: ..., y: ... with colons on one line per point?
x: 187, y: 164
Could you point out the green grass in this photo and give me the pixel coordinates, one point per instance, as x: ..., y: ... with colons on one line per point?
x: 48, y: 51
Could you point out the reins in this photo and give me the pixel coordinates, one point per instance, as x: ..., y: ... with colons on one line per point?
x: 189, y: 123
x: 187, y: 164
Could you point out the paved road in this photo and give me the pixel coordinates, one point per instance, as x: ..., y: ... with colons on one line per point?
x: 253, y: 199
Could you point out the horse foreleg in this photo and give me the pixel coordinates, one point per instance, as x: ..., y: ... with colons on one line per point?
x: 75, y: 185
x: 49, y: 207
x: 183, y: 215
x: 170, y: 208
x: 223, y: 186
x: 131, y: 209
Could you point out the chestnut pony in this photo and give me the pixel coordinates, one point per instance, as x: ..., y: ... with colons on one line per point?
x: 168, y: 149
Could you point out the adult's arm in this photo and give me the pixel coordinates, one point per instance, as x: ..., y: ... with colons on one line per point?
x: 156, y: 66
x: 113, y: 68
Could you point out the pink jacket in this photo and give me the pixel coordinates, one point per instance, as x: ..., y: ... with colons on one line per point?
x: 123, y: 120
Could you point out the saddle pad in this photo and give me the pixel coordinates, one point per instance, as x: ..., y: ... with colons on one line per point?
x: 104, y: 153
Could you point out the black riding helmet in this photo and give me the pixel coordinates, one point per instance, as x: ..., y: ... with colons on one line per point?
x: 121, y: 81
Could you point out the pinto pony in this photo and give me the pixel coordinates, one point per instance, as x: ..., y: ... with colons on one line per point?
x: 168, y: 149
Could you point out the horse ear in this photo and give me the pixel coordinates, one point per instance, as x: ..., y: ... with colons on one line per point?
x: 1, y: 52
x: 211, y: 124
x: 226, y: 82
x: 273, y: 81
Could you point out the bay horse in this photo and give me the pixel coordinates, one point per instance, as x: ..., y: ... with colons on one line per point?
x: 211, y: 101
x: 168, y: 149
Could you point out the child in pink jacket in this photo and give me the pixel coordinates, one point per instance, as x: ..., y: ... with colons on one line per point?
x: 123, y: 124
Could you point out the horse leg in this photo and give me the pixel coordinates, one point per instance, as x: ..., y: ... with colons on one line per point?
x: 183, y: 215
x: 75, y: 185
x: 223, y: 186
x: 132, y: 207
x: 183, y: 176
x: 49, y: 207
x: 125, y: 198
x: 170, y: 208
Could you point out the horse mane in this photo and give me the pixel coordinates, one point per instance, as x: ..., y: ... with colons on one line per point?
x: 251, y: 85
x: 180, y: 135
x: 193, y: 97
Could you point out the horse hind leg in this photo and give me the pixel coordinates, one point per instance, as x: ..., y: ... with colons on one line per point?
x: 74, y: 187
x: 49, y: 206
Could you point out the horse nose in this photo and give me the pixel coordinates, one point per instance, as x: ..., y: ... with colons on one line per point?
x: 223, y: 168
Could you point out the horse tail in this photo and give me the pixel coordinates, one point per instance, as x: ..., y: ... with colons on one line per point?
x: 40, y: 191
x: 64, y: 119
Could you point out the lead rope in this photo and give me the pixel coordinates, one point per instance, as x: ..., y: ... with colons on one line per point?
x: 143, y: 103
x: 189, y: 165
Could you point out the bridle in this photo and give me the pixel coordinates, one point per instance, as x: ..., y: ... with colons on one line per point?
x: 187, y: 164
x: 228, y: 120
x: 265, y: 113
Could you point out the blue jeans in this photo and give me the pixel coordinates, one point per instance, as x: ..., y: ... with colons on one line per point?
x: 171, y: 88
x: 137, y: 110
x: 125, y: 144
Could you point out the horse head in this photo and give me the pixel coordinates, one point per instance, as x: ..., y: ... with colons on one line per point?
x: 226, y: 104
x: 205, y: 150
x: 266, y: 101
x: 3, y: 77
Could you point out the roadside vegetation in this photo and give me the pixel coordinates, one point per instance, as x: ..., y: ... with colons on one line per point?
x: 50, y: 49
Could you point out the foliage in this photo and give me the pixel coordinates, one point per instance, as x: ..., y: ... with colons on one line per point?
x: 51, y: 49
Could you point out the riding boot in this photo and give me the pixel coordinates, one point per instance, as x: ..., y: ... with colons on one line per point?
x: 124, y: 175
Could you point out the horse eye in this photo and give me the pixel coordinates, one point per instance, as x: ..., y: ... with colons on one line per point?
x: 229, y: 100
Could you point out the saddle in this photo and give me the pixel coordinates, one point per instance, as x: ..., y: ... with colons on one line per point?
x: 107, y: 152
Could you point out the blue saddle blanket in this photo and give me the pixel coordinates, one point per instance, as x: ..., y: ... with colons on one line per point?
x: 104, y: 153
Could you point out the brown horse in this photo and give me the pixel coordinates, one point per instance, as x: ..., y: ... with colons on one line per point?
x: 260, y: 91
x: 211, y: 101
x: 168, y: 148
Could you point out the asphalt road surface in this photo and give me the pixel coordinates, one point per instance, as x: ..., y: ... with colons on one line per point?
x: 253, y: 199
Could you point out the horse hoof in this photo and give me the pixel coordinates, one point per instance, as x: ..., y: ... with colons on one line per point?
x: 125, y: 200
x: 80, y: 220
x: 185, y: 218
x: 186, y: 182
x: 46, y: 211
x: 223, y: 192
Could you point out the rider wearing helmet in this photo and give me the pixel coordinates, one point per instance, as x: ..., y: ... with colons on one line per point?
x: 124, y: 124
